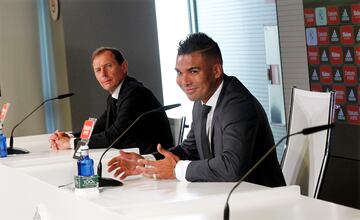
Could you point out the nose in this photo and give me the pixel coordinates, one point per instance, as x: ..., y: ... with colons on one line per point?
x: 183, y: 79
x: 103, y: 72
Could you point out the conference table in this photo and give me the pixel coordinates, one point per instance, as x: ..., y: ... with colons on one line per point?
x: 39, y: 185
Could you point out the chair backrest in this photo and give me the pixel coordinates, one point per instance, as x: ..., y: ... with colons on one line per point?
x: 177, y: 126
x: 305, y: 157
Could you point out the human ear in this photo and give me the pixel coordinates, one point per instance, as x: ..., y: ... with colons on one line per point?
x: 218, y: 70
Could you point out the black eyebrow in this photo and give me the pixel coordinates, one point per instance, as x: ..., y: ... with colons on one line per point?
x: 189, y: 69
x: 193, y: 68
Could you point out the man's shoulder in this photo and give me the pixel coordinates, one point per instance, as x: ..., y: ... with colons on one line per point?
x: 233, y: 84
x: 236, y: 98
x: 131, y: 82
x: 132, y: 85
x: 133, y: 89
x: 233, y: 90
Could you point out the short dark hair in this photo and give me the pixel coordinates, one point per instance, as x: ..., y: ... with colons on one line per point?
x: 200, y: 42
x: 119, y: 57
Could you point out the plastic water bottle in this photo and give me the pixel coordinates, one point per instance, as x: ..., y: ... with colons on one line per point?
x: 3, y: 147
x: 85, y: 164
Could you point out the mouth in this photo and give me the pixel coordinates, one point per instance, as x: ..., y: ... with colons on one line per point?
x: 189, y: 90
x: 106, y: 82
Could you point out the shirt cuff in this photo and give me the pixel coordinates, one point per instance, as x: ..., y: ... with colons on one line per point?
x: 71, y: 139
x: 180, y: 170
x: 72, y: 146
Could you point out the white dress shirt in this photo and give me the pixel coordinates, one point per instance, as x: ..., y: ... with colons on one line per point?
x: 115, y: 94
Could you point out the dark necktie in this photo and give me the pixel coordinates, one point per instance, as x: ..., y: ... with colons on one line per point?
x: 204, y: 138
x: 111, y: 114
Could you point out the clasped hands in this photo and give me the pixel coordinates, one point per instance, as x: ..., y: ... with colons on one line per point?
x: 129, y: 164
x: 59, y: 140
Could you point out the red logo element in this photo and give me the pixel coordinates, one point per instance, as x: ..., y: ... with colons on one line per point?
x: 350, y: 76
x: 353, y: 114
x: 87, y: 129
x: 346, y: 34
x: 325, y: 74
x: 3, y: 112
x: 333, y: 15
x: 309, y: 16
x: 315, y: 87
x: 323, y: 35
x: 313, y: 56
x: 336, y: 55
x: 355, y: 12
x: 340, y: 93
x: 357, y: 54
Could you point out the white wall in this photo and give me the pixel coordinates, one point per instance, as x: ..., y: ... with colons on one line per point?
x: 292, y: 47
x: 172, y: 26
x: 20, y: 78
x: 20, y: 70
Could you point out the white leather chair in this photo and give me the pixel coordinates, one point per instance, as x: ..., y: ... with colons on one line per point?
x: 177, y: 126
x: 305, y: 157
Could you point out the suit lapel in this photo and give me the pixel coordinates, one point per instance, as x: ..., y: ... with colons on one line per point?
x: 216, y: 114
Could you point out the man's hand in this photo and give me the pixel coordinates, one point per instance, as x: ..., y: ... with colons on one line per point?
x: 59, y: 140
x: 124, y: 163
x: 160, y: 169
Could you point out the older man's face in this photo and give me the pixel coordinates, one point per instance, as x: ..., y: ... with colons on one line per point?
x: 108, y: 72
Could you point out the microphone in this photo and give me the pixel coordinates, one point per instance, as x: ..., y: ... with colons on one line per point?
x: 305, y: 131
x: 168, y: 107
x: 64, y: 96
x: 11, y: 149
x: 315, y: 129
x: 112, y: 182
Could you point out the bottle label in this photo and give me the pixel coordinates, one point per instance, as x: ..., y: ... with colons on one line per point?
x: 82, y: 182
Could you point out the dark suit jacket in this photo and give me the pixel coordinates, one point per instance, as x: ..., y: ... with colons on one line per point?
x: 240, y: 136
x: 134, y: 99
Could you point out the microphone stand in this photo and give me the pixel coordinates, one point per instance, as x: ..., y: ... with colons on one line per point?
x: 11, y: 149
x: 305, y: 131
x: 103, y: 181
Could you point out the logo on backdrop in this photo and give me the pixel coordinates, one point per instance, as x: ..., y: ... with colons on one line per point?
x: 333, y: 15
x: 333, y: 51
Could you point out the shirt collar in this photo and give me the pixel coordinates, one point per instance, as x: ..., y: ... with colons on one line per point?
x: 115, y: 94
x: 213, y: 99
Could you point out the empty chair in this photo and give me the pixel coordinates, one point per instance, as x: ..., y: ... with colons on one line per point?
x: 305, y: 157
x: 177, y: 126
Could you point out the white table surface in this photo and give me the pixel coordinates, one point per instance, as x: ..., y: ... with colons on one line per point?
x: 32, y: 181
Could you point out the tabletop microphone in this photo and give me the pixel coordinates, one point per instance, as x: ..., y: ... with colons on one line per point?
x: 11, y: 149
x: 113, y: 182
x: 305, y: 131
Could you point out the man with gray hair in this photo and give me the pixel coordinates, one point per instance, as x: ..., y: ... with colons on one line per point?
x: 127, y: 100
